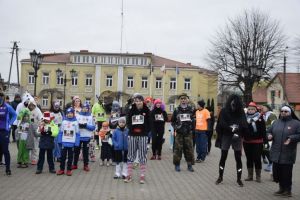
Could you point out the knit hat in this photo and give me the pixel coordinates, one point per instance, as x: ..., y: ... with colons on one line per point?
x: 252, y: 104
x: 86, y: 105
x: 201, y: 103
x: 157, y: 101
x: 148, y: 99
x: 70, y: 110
x: 122, y: 119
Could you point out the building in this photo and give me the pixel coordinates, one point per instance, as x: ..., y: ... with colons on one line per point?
x: 274, y: 94
x: 117, y: 76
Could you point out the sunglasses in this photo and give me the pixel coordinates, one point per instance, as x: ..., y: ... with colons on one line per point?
x: 284, y: 111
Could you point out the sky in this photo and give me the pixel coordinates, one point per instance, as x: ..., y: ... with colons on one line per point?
x: 176, y: 29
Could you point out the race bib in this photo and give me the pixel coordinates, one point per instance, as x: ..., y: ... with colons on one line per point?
x: 185, y: 117
x: 69, y: 134
x: 137, y: 119
x: 159, y: 117
x: 23, y: 135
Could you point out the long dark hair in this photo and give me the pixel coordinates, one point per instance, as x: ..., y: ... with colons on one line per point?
x: 238, y: 104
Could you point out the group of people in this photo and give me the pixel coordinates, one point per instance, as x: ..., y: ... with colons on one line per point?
x: 253, y: 131
x: 124, y: 136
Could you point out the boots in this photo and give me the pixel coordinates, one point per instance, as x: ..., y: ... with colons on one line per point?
x: 220, y: 178
x: 250, y: 175
x: 258, y: 175
x: 239, y: 177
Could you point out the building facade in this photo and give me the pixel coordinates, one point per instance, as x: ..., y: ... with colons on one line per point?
x: 116, y: 77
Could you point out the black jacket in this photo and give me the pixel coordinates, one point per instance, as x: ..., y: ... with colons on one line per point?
x: 259, y: 134
x: 136, y: 129
x: 158, y: 125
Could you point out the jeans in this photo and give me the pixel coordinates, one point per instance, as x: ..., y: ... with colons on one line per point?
x: 66, y: 151
x: 4, y: 142
x: 201, y: 144
x: 42, y: 159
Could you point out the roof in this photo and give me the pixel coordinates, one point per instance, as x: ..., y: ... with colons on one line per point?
x: 53, y: 58
x: 292, y: 86
x: 260, y: 95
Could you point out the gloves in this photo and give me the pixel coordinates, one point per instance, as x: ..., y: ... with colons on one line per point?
x: 82, y: 125
x: 234, y: 128
x: 235, y: 137
x: 49, y: 133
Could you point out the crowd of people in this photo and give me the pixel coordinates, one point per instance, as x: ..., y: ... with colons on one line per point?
x: 123, y: 136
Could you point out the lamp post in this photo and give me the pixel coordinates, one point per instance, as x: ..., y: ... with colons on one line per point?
x: 36, y: 60
x: 59, y: 74
x: 250, y: 72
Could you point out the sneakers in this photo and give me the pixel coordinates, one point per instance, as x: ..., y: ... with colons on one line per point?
x: 60, y: 172
x: 117, y: 177
x: 86, y: 168
x: 142, y: 179
x: 38, y: 171
x: 177, y: 168
x: 190, y: 168
x: 8, y: 172
x: 128, y: 179
x: 69, y: 173
x: 153, y: 157
x: 219, y: 180
x: 74, y: 167
x: 101, y: 163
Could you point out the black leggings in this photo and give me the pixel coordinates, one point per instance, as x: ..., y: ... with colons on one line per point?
x: 253, y: 154
x: 238, y: 160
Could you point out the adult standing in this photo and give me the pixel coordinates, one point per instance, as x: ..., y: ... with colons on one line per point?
x: 253, y: 141
x: 230, y: 126
x: 284, y: 134
x: 77, y: 105
x: 14, y: 104
x: 202, y: 124
x: 158, y: 119
x: 182, y: 122
x: 7, y: 117
x: 138, y: 124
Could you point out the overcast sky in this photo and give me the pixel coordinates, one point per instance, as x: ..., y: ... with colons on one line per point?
x: 176, y: 29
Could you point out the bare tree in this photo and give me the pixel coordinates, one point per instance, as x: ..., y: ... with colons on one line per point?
x: 246, y: 50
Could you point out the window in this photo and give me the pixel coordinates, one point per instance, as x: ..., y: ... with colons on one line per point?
x: 89, y: 80
x: 172, y: 107
x: 103, y: 59
x: 59, y: 99
x: 144, y: 82
x: 110, y: 60
x: 187, y: 84
x: 45, y: 78
x: 74, y: 80
x: 173, y: 84
x: 83, y: 59
x: 158, y: 83
x: 87, y: 59
x: 272, y: 93
x: 45, y: 101
x: 109, y: 81
x: 130, y: 82
x: 31, y: 78
x: 60, y: 80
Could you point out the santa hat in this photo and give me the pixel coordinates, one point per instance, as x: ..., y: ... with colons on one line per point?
x: 47, y: 116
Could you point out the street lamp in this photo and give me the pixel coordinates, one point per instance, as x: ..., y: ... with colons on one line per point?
x: 59, y: 74
x: 36, y: 60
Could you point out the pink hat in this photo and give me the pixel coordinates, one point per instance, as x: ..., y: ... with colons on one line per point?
x: 156, y: 101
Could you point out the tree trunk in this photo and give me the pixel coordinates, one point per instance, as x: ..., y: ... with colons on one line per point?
x: 248, y: 93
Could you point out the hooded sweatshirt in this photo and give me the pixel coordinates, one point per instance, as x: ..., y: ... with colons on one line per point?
x: 138, y: 121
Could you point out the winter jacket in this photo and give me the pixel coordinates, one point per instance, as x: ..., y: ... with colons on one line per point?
x: 158, y: 119
x: 120, y: 139
x: 86, y: 126
x: 281, y: 130
x: 260, y: 133
x: 138, y: 121
x: 7, y: 116
x: 183, y: 119
x: 69, y: 135
x: 47, y: 134
x: 98, y: 112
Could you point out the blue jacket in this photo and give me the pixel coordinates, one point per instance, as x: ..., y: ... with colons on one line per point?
x: 85, y: 132
x: 66, y: 136
x: 119, y: 138
x: 7, y: 116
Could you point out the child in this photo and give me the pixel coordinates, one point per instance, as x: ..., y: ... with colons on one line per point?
x: 86, y: 128
x: 48, y: 131
x: 119, y: 138
x: 23, y: 134
x: 105, y: 136
x: 69, y: 137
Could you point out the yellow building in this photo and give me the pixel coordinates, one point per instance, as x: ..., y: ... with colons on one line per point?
x: 117, y: 76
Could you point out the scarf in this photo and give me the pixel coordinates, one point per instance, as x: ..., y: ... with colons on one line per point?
x: 251, y: 119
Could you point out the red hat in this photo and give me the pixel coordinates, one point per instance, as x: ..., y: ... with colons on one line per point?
x: 47, y: 116
x: 148, y: 99
x: 252, y: 104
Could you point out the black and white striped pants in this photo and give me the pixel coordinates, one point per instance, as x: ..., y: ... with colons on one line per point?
x: 137, y: 145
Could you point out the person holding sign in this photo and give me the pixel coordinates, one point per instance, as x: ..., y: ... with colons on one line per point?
x: 158, y: 119
x: 48, y: 131
x: 69, y: 137
x: 138, y: 124
x: 182, y: 122
x: 86, y: 128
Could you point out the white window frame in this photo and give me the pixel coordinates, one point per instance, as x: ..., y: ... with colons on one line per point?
x: 60, y: 80
x: 158, y: 82
x: 46, y: 78
x: 144, y: 82
x: 130, y: 82
x: 45, y: 101
x: 88, y: 79
x: 74, y: 81
x: 187, y: 84
x: 109, y: 80
x: 31, y: 78
x: 173, y: 83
